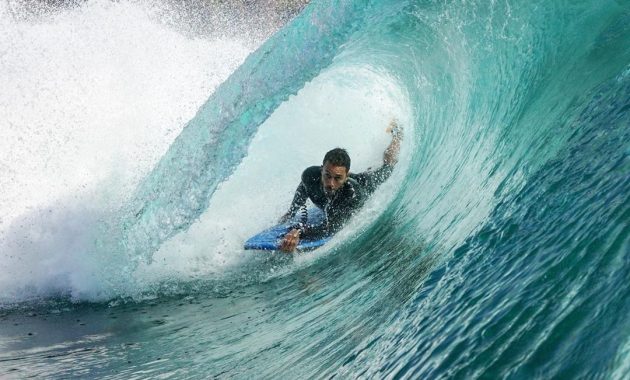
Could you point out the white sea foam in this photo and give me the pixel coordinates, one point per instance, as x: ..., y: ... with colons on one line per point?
x: 91, y: 98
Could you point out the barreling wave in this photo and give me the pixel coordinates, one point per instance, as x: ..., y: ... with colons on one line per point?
x: 179, y: 189
x: 516, y: 188
x: 499, y: 247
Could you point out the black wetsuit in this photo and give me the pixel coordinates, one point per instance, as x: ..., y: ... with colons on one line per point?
x: 346, y: 200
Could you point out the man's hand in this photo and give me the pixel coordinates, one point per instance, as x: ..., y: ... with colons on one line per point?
x: 390, y: 157
x: 290, y: 241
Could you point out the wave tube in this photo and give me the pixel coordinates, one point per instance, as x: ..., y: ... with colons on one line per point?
x: 488, y: 258
x: 502, y: 250
x: 499, y: 248
x: 214, y: 142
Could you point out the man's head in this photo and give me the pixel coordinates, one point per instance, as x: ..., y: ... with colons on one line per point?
x: 335, y: 168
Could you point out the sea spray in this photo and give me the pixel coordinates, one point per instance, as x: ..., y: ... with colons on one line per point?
x: 92, y: 97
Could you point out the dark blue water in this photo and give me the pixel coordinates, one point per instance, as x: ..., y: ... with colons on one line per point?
x: 499, y: 248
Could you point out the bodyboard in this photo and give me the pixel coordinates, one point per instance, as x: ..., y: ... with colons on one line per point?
x: 269, y: 239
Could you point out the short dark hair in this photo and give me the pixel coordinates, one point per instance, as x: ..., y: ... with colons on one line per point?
x: 338, y: 157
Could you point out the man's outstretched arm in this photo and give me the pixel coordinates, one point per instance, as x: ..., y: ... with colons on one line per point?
x: 371, y: 179
x: 390, y: 157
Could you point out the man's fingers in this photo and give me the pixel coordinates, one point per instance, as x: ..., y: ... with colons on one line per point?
x: 395, y: 131
x: 289, y: 242
x: 391, y: 126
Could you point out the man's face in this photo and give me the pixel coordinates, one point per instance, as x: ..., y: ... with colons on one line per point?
x: 333, y: 178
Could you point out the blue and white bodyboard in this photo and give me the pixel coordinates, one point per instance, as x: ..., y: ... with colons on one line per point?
x: 269, y: 239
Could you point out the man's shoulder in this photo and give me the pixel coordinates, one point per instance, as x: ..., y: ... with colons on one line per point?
x: 363, y: 177
x: 353, y: 189
x: 311, y: 174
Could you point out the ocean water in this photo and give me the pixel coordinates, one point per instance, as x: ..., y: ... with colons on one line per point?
x: 140, y: 148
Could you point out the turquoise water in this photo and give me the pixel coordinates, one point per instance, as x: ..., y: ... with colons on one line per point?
x: 499, y: 248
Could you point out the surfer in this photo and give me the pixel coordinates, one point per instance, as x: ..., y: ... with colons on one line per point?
x: 337, y: 191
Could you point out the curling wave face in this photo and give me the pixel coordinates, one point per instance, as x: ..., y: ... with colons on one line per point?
x: 498, y: 248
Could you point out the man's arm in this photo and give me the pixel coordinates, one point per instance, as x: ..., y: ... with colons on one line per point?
x: 390, y: 157
x: 292, y: 238
x: 336, y: 217
x: 371, y: 179
x: 299, y: 200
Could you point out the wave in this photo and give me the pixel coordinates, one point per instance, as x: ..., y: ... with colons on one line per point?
x: 497, y: 249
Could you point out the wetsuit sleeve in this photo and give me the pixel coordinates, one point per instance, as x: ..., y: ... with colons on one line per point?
x: 372, y: 179
x: 299, y: 199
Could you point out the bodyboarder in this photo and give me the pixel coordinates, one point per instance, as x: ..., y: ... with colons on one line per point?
x: 337, y: 191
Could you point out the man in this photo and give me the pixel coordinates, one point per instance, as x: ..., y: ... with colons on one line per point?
x: 336, y: 191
